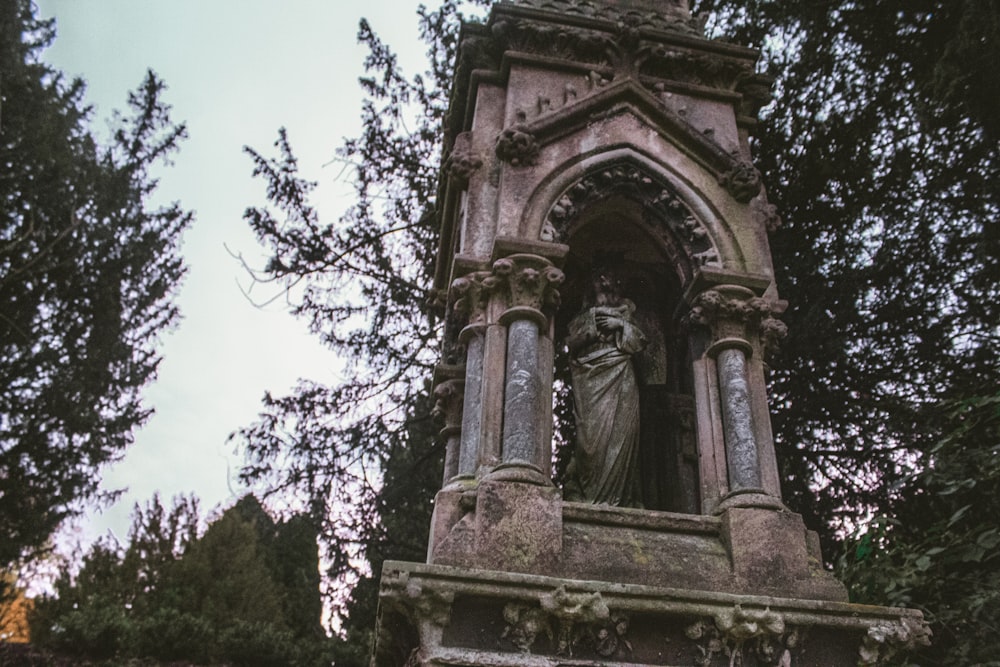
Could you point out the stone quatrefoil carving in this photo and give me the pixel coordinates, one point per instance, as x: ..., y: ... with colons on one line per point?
x: 671, y: 218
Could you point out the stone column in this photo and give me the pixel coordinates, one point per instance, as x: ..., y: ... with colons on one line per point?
x: 471, y: 302
x: 736, y: 317
x: 528, y: 284
x: 448, y: 396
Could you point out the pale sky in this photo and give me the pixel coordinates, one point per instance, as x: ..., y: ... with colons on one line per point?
x: 236, y: 71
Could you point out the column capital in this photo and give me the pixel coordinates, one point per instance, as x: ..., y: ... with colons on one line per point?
x: 528, y: 285
x: 737, y: 317
x: 471, y: 301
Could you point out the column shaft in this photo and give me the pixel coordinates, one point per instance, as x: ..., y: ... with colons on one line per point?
x: 737, y: 419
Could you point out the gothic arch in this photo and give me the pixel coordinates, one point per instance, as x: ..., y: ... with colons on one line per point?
x: 676, y: 216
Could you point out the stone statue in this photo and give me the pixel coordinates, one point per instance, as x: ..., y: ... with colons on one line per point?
x: 602, y: 338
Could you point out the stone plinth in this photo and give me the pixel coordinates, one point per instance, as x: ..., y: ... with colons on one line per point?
x: 514, y: 527
x: 434, y: 616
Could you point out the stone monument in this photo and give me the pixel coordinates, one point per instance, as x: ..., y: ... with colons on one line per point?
x: 604, y: 241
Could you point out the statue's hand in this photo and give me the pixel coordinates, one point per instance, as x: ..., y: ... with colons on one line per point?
x: 608, y: 323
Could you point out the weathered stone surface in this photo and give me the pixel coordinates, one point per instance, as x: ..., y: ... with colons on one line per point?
x: 432, y: 615
x: 581, y: 129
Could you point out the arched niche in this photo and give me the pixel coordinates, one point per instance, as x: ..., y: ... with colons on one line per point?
x: 622, y: 216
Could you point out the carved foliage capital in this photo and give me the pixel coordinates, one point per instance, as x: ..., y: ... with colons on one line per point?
x: 734, y: 313
x: 528, y: 281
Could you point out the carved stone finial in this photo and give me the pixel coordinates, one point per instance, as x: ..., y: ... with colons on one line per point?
x: 517, y: 146
x: 742, y: 182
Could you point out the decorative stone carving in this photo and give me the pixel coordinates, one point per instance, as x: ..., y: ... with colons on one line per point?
x: 740, y: 633
x: 554, y: 41
x: 671, y: 16
x: 528, y: 281
x: 424, y: 604
x: 517, y: 146
x: 672, y: 219
x: 571, y: 610
x: 463, y: 162
x: 524, y: 623
x: 742, y: 182
x: 571, y: 621
x: 766, y: 214
x: 752, y: 316
x: 699, y: 69
x: 448, y: 405
x: 472, y: 296
x: 885, y: 640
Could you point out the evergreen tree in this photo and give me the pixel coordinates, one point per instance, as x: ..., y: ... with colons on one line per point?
x: 87, y: 273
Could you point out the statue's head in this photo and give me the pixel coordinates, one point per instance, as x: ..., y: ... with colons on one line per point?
x: 605, y: 278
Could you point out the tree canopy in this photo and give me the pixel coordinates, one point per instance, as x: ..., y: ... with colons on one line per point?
x: 88, y: 269
x: 246, y: 592
x: 880, y: 152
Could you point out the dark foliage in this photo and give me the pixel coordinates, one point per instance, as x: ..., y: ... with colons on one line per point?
x: 244, y: 593
x: 87, y: 272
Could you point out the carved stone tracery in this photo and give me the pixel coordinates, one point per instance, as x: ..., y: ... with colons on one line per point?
x: 673, y: 220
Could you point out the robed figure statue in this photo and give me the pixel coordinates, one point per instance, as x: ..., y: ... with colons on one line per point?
x: 601, y: 339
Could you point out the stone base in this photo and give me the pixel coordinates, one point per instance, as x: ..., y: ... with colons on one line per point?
x: 512, y: 527
x: 432, y: 616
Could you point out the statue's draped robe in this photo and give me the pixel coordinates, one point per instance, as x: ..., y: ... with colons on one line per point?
x: 604, y: 468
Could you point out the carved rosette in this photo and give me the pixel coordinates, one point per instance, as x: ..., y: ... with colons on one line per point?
x: 471, y: 300
x: 671, y: 218
x: 735, y: 314
x: 885, y: 640
x: 529, y: 284
x: 517, y: 146
x: 742, y: 182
